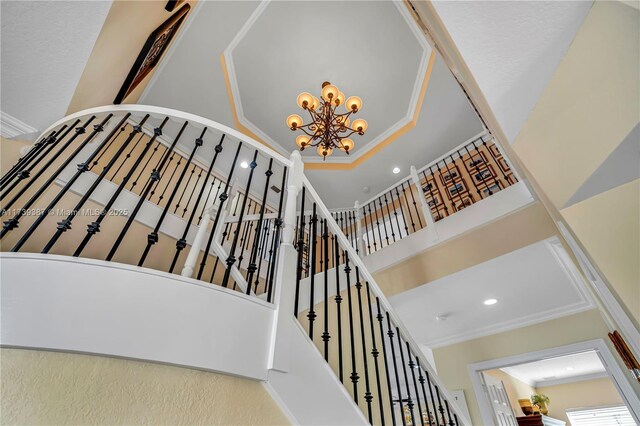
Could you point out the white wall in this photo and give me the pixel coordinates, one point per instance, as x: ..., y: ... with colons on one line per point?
x: 90, y: 306
x: 512, y: 48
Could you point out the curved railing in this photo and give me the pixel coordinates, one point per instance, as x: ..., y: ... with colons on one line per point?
x: 171, y: 191
x: 139, y: 185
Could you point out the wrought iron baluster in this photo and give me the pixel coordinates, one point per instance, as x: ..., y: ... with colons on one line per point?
x: 153, y: 178
x: 13, y: 222
x: 300, y: 247
x: 47, y: 147
x: 232, y: 258
x: 126, y: 157
x: 440, y: 408
x: 51, y: 160
x: 34, y: 153
x: 325, y: 334
x: 380, y: 318
x: 275, y: 247
x: 256, y: 240
x: 412, y: 368
x: 404, y: 219
x: 386, y: 203
x: 20, y: 164
x: 375, y: 209
x: 182, y: 242
x: 354, y: 231
x: 338, y: 300
x: 410, y: 403
x: 245, y: 230
x: 421, y: 379
x: 375, y: 353
x: 222, y: 197
x: 186, y: 187
x: 406, y: 201
x: 65, y: 224
x: 354, y: 371
x: 415, y: 207
x: 390, y: 334
x: 366, y: 230
x: 451, y: 422
x: 311, y: 315
x: 168, y: 181
x: 368, y: 397
x: 384, y: 222
x: 153, y: 237
x: 81, y: 168
x: 395, y: 213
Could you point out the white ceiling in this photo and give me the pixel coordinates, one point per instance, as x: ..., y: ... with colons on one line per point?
x: 376, y: 52
x: 45, y: 46
x: 512, y: 48
x: 533, y: 284
x: 554, y: 370
x: 191, y: 79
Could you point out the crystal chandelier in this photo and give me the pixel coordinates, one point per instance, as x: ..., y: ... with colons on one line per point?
x: 328, y: 128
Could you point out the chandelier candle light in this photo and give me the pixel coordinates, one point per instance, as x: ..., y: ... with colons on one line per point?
x: 328, y: 129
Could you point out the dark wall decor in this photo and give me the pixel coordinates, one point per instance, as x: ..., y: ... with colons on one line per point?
x: 172, y: 4
x: 151, y: 52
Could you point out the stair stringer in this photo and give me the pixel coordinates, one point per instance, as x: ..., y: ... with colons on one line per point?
x: 310, y: 393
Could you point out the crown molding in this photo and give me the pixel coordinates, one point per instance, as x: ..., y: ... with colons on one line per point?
x: 405, y: 123
x: 11, y: 127
x: 572, y: 379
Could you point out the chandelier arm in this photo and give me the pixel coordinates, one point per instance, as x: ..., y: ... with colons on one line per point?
x: 305, y: 132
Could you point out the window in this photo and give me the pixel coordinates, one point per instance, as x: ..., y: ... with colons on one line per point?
x: 603, y: 416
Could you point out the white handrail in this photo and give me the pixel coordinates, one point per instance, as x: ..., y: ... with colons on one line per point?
x: 357, y: 261
x: 173, y: 113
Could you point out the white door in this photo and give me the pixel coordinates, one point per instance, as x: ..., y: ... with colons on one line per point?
x: 502, y: 410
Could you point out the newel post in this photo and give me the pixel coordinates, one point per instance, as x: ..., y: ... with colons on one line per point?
x: 426, y: 209
x: 286, y: 272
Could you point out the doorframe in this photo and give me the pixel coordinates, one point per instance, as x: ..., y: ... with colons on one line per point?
x: 614, y: 372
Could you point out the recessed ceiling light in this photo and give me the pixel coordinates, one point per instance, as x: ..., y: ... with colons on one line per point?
x: 490, y: 302
x: 569, y: 368
x: 396, y: 170
x: 244, y: 164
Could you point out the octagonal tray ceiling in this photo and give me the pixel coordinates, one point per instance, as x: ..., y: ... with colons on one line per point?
x: 375, y: 52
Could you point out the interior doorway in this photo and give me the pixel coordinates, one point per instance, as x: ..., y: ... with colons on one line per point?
x: 579, y: 384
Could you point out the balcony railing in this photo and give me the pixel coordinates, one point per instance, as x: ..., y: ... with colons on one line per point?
x: 474, y: 171
x: 175, y: 192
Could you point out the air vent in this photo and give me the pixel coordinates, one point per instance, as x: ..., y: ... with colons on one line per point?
x: 275, y: 189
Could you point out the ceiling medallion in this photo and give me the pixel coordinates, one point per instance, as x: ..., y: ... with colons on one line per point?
x: 328, y: 128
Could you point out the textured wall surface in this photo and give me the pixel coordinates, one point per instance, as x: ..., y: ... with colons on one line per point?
x: 40, y: 387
